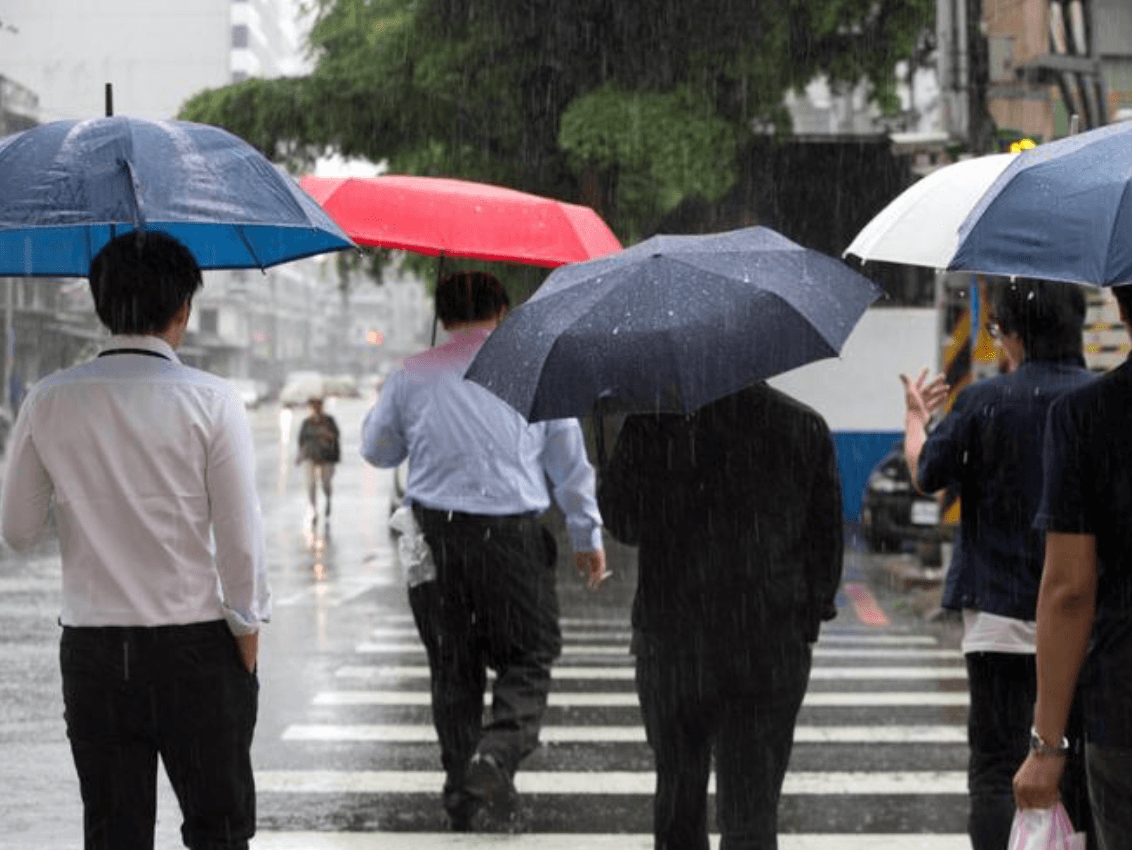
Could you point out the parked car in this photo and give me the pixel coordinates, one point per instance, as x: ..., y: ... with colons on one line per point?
x: 894, y: 514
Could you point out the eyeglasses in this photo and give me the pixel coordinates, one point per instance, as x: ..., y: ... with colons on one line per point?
x: 994, y: 329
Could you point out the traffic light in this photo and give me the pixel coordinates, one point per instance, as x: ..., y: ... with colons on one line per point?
x: 374, y: 337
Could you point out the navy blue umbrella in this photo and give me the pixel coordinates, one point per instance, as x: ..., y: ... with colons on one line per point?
x: 68, y: 187
x: 1060, y: 211
x: 670, y: 324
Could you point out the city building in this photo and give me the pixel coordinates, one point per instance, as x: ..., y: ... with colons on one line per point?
x: 155, y: 55
x: 19, y: 107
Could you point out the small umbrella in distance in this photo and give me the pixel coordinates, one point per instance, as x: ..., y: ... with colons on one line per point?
x: 670, y: 324
x: 68, y: 187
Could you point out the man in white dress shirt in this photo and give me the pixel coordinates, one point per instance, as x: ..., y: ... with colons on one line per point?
x: 479, y: 477
x: 150, y: 469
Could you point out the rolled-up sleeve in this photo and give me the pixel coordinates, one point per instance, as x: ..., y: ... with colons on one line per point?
x: 384, y: 442
x: 26, y: 498
x: 573, y: 483
x: 237, y: 522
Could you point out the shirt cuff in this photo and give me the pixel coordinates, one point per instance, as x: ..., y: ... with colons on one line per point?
x: 587, y: 540
x: 241, y: 622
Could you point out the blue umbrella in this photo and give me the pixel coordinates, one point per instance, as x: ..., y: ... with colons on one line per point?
x: 670, y: 324
x: 1060, y: 211
x: 68, y: 187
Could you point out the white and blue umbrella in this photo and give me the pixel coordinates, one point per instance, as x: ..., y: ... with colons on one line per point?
x: 920, y: 226
x: 68, y: 187
x: 1059, y: 211
x: 670, y: 324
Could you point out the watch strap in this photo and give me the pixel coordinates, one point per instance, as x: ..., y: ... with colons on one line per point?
x: 1038, y: 745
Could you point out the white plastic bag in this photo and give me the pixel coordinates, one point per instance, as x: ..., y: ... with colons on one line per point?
x: 1044, y: 829
x: 412, y: 551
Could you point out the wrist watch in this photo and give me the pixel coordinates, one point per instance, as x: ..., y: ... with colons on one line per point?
x: 1039, y: 746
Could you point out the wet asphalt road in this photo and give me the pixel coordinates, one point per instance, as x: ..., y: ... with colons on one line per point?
x: 345, y: 753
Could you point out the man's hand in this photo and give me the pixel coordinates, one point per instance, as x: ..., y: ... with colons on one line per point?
x: 249, y: 649
x: 1035, y: 783
x: 591, y: 568
x: 920, y: 401
x: 923, y: 399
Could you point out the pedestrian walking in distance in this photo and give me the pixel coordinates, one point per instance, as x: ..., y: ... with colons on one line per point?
x: 320, y: 451
x: 479, y: 478
x: 149, y: 468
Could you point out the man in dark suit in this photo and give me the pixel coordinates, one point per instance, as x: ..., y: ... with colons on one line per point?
x: 736, y: 509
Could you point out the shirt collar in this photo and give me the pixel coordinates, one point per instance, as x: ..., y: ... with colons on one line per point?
x: 469, y: 335
x: 148, y: 342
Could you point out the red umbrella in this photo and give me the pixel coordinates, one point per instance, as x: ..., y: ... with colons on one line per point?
x: 441, y: 216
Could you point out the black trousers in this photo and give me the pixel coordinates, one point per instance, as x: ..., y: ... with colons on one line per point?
x: 132, y: 694
x: 743, y: 707
x: 1003, y: 687
x: 496, y: 606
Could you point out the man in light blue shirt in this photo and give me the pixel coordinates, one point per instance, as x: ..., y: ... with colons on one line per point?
x: 479, y: 477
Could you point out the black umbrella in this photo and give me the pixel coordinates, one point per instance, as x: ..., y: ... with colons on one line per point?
x: 671, y: 324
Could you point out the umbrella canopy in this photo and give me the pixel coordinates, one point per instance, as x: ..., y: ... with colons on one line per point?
x: 68, y: 187
x: 920, y: 227
x: 670, y: 324
x: 1060, y: 211
x: 458, y: 218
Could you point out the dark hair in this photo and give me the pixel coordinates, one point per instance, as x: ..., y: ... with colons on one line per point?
x: 140, y: 279
x: 1046, y: 315
x: 469, y: 297
x: 1123, y: 296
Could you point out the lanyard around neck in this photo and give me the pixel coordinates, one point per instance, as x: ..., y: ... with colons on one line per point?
x: 144, y: 351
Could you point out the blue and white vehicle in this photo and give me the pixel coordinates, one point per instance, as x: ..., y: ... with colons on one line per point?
x: 859, y: 393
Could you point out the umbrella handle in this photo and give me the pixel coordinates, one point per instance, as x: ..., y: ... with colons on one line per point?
x: 439, y: 275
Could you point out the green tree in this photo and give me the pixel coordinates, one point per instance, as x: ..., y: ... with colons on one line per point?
x: 629, y: 107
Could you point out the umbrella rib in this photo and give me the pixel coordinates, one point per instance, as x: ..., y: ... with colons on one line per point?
x: 251, y: 251
x: 1113, y: 239
x: 131, y: 181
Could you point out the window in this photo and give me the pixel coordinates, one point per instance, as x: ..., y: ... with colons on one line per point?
x: 209, y: 322
x: 239, y: 35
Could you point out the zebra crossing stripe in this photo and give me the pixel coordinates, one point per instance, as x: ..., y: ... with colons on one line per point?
x: 584, y: 783
x: 266, y: 840
x: 423, y: 733
x: 420, y: 671
x: 623, y: 636
x: 569, y: 649
x: 558, y: 699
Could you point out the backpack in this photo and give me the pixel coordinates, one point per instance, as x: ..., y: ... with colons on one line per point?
x: 320, y: 441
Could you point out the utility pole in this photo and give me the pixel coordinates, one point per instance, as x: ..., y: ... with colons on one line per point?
x: 980, y: 126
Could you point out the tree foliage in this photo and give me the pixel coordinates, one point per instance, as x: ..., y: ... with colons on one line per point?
x: 630, y: 107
